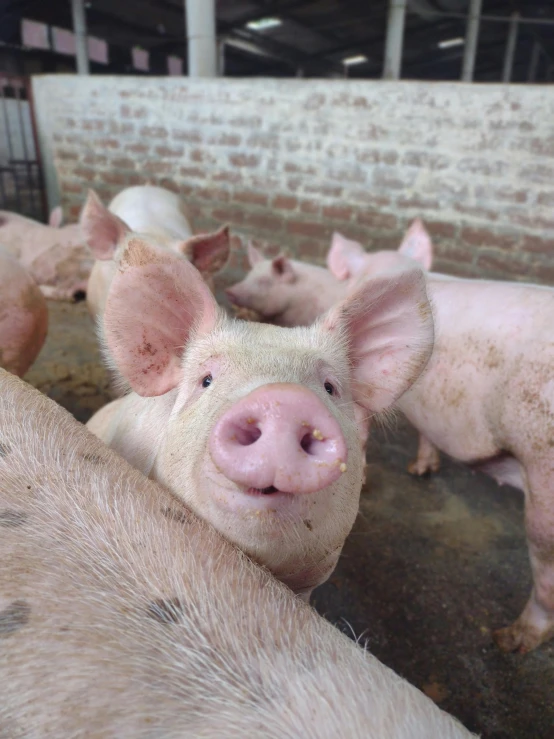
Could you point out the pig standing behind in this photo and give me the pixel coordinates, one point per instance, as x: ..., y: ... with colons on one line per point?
x: 155, y: 212
x: 486, y: 397
x: 23, y: 316
x: 122, y: 615
x: 258, y: 428
x: 54, y: 255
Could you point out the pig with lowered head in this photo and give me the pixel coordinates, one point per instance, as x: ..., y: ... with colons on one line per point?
x: 152, y: 211
x: 53, y: 254
x: 23, y: 316
x: 259, y: 429
x: 284, y: 291
x: 123, y: 615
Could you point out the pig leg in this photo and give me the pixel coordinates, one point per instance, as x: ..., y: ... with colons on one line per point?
x: 536, y: 623
x: 427, y: 459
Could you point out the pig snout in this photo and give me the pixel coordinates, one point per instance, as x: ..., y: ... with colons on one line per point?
x: 279, y: 438
x: 233, y: 296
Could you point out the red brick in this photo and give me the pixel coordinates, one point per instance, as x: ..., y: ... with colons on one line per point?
x: 546, y: 198
x: 316, y: 230
x: 232, y: 177
x: 440, y: 230
x: 251, y: 198
x: 312, y: 251
x: 486, y: 237
x: 231, y: 215
x: 134, y: 178
x: 482, y: 167
x: 507, y: 195
x: 244, y: 121
x: 385, y: 181
x: 377, y: 220
x: 244, y: 160
x: 284, y: 202
x: 425, y: 160
x: 74, y: 187
x: 154, y: 132
x: 84, y: 173
x: 224, y: 139
x: 92, y: 125
x: 309, y: 206
x: 293, y: 168
x: 530, y: 220
x: 121, y: 129
x: 457, y: 253
x: 123, y: 163
x: 137, y: 148
x: 192, y: 172
x: 337, y: 212
x: 107, y: 144
x: 544, y: 273
x: 213, y: 194
x: 537, y: 245
x: 327, y: 190
x: 115, y: 178
x: 375, y: 156
x: 190, y: 135
x: 126, y: 111
x: 200, y: 155
x: 66, y: 155
x: 263, y: 141
x: 264, y: 221
x: 476, y: 211
x: 159, y: 168
x: 168, y: 151
x: 448, y: 267
x: 500, y: 263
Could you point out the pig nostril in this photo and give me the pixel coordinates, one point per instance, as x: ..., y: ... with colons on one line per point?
x: 246, y: 434
x: 308, y: 443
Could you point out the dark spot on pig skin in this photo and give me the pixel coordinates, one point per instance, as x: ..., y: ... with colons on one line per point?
x: 166, y: 610
x: 10, y: 518
x: 308, y: 524
x: 14, y: 617
x: 92, y: 458
x: 5, y: 449
x: 174, y: 515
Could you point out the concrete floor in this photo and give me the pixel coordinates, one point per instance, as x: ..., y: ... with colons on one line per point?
x: 431, y: 566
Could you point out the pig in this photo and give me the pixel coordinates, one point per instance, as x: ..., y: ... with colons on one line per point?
x: 123, y: 615
x: 23, y: 316
x: 258, y: 428
x: 152, y: 211
x: 486, y: 397
x: 54, y: 255
x: 285, y: 292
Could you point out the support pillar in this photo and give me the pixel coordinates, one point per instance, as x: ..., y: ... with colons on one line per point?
x: 395, y: 39
x: 201, y: 38
x: 80, y: 31
x: 472, y: 38
x: 510, y: 49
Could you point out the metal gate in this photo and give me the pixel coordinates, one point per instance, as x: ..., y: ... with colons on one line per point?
x: 21, y: 182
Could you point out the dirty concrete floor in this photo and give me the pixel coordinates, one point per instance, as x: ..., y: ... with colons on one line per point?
x: 431, y: 566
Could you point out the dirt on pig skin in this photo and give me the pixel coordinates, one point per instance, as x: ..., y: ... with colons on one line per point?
x: 432, y: 566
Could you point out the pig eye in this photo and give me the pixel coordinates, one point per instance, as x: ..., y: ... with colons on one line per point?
x: 329, y: 388
x: 207, y: 381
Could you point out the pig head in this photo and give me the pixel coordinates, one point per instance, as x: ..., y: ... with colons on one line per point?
x: 258, y: 428
x: 104, y: 232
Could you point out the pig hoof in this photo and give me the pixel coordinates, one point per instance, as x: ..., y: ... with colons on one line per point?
x: 420, y: 468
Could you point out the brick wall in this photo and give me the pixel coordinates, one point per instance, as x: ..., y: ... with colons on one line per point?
x: 289, y: 161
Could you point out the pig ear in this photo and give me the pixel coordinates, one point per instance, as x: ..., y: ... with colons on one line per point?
x: 56, y: 217
x: 340, y: 254
x: 388, y: 327
x: 417, y: 244
x: 101, y: 229
x: 208, y: 252
x: 156, y: 301
x: 254, y: 255
x: 283, y: 268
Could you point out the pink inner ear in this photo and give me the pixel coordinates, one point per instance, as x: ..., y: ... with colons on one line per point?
x: 417, y: 245
x: 156, y: 302
x: 340, y: 255
x: 388, y: 325
x: 208, y: 252
x: 101, y: 229
x: 254, y: 255
x: 56, y: 217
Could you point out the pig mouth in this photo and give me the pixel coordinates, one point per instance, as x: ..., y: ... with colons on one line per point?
x: 264, y: 491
